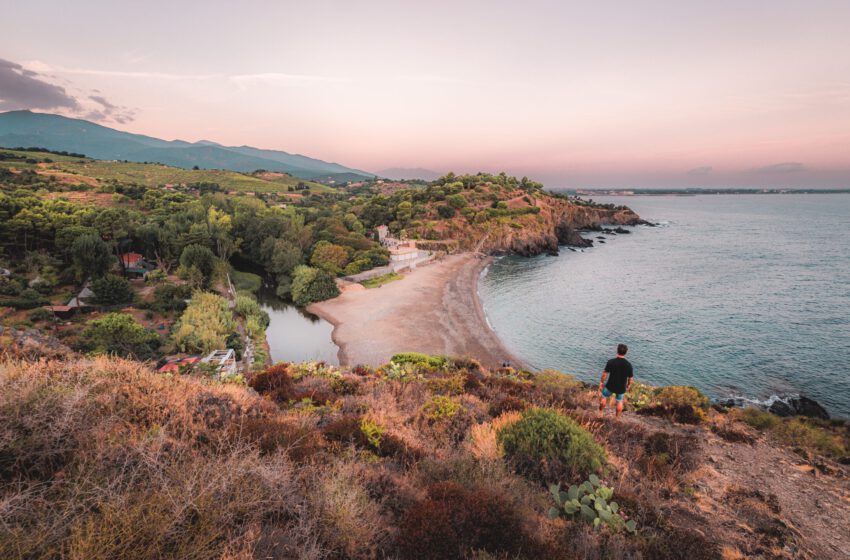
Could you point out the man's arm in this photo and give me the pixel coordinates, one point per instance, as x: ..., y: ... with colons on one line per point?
x: 602, y: 381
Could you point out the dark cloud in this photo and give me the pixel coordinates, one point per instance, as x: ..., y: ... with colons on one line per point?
x: 779, y: 168
x: 109, y: 112
x: 700, y: 171
x: 22, y: 89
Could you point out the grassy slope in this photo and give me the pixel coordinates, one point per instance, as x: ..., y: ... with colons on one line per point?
x: 104, y: 459
x: 153, y: 174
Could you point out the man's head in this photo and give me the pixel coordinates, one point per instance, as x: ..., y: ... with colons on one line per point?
x: 622, y: 349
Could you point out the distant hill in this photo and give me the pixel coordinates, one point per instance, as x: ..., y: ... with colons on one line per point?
x: 55, y: 132
x: 400, y: 173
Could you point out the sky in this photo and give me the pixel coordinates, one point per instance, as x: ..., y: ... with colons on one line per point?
x: 574, y: 94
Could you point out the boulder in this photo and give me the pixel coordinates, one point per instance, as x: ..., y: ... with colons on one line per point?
x: 798, y: 406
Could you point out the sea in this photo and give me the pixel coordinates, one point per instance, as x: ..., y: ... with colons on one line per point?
x: 738, y: 295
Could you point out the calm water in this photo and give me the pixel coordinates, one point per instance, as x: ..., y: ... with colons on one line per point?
x: 295, y: 335
x: 737, y: 295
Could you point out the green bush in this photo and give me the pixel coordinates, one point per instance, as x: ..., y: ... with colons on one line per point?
x: 311, y: 284
x: 246, y: 281
x: 420, y: 360
x: 41, y: 314
x: 548, y: 446
x: 441, y: 407
x: 445, y: 212
x: 170, y: 297
x: 119, y: 333
x: 456, y: 201
x: 112, y: 290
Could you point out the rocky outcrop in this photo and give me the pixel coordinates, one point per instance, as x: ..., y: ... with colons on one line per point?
x: 798, y: 406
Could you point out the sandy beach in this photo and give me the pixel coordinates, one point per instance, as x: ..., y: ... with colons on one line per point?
x: 433, y: 309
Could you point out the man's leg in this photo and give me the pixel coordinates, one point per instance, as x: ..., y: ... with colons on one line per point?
x: 603, y: 398
x: 620, y: 403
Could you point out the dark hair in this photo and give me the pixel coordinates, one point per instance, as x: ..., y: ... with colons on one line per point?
x: 622, y: 349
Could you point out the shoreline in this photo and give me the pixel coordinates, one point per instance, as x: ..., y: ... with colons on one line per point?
x: 434, y: 309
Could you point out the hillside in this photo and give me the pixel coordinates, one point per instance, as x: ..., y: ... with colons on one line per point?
x: 55, y: 132
x: 425, y: 457
x: 72, y: 171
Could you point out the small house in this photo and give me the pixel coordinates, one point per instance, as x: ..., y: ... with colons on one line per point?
x: 176, y: 364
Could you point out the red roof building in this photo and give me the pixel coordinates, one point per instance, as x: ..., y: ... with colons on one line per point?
x: 131, y: 259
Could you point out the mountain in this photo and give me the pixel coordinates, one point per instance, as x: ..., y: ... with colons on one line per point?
x: 399, y: 173
x: 55, y: 132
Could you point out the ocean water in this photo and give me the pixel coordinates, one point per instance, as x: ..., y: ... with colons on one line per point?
x: 738, y: 295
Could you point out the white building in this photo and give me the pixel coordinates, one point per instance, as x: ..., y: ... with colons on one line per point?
x: 225, y: 360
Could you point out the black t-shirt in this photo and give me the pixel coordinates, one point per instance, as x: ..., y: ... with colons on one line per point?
x: 619, y: 370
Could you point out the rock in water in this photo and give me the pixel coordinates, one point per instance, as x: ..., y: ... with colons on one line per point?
x: 798, y: 406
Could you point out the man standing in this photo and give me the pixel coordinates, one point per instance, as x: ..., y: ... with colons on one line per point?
x: 618, y: 373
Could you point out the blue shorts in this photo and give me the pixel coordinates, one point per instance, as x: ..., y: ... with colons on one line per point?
x: 606, y: 393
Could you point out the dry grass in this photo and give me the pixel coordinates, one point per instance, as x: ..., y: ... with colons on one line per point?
x: 102, y: 458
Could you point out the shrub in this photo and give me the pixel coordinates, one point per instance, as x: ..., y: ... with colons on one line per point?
x: 310, y: 285
x: 506, y: 403
x: 275, y: 382
x: 199, y: 257
x: 679, y: 403
x: 112, y: 290
x: 329, y: 257
x: 453, y: 521
x: 119, y: 333
x: 155, y: 276
x: 205, y: 325
x: 547, y: 446
x: 41, y: 314
x: 170, y: 297
x: 440, y: 408
x: 419, y: 360
x: 456, y: 201
x: 445, y: 212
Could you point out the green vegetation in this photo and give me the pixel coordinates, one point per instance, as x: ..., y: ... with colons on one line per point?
x: 423, y: 361
x: 246, y: 281
x: 547, y: 446
x: 815, y: 435
x: 120, y: 334
x: 682, y: 404
x: 379, y: 281
x: 311, y: 284
x: 591, y: 502
x: 204, y: 325
x: 112, y: 290
x: 441, y: 407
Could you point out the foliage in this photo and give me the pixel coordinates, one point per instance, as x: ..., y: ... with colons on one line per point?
x: 445, y: 211
x: 452, y: 521
x: 119, y: 333
x: 157, y: 276
x: 420, y: 361
x: 682, y: 404
x: 200, y: 258
x: 329, y: 257
x: 91, y: 255
x: 379, y: 281
x: 310, y: 285
x: 246, y: 281
x: 441, y: 407
x: 456, y: 201
x: 546, y: 445
x: 170, y: 297
x: 591, y: 502
x: 204, y: 325
x: 112, y: 290
x: 800, y: 432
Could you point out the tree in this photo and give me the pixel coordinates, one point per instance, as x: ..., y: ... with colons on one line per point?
x: 119, y: 333
x: 446, y: 212
x: 456, y: 201
x: 200, y: 258
x: 112, y: 290
x: 280, y: 256
x: 310, y: 285
x: 329, y: 257
x: 91, y: 255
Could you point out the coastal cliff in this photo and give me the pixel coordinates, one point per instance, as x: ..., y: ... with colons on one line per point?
x: 547, y: 223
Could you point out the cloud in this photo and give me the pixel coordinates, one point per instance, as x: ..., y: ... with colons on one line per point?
x: 27, y: 88
x: 700, y: 171
x: 22, y: 89
x: 779, y: 168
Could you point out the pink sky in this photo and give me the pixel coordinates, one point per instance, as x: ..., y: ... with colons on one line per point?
x: 651, y: 93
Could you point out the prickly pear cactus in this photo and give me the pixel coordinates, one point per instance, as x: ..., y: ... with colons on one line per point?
x: 592, y: 502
